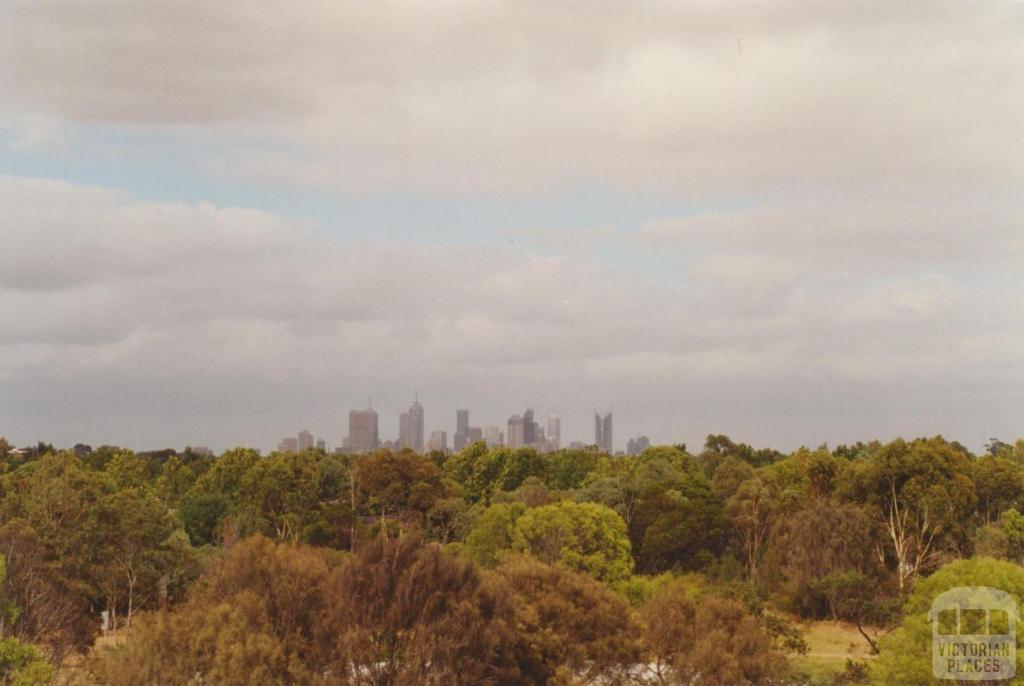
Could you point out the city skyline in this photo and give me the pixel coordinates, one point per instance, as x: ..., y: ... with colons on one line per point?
x: 711, y: 214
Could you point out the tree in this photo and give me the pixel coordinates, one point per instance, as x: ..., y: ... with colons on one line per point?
x: 752, y: 511
x: 250, y: 622
x: 128, y: 470
x: 277, y: 496
x: 400, y: 613
x: 586, y: 537
x: 174, y: 482
x: 905, y: 656
x: 577, y: 631
x: 22, y: 664
x: 51, y: 608
x: 403, y: 485
x: 999, y: 483
x: 706, y: 642
x: 813, y: 552
x: 569, y: 468
x: 679, y: 525
x: 495, y: 533
x: 922, y: 495
x: 134, y: 552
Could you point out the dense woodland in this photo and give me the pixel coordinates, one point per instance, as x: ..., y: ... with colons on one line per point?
x: 492, y: 566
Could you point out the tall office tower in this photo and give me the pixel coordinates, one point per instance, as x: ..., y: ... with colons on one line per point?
x: 438, y: 441
x: 321, y: 444
x: 492, y: 435
x: 529, y: 428
x: 603, y: 432
x: 288, y: 445
x: 410, y: 427
x: 461, y: 438
x: 362, y: 431
x: 305, y: 440
x: 635, y: 446
x: 516, y: 433
x: 554, y: 432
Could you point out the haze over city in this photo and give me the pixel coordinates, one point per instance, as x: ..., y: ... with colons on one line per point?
x: 791, y: 223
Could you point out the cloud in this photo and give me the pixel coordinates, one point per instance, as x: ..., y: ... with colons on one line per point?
x: 226, y: 323
x: 693, y: 101
x: 850, y: 264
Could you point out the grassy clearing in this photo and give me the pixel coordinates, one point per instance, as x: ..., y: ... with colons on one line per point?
x: 830, y: 645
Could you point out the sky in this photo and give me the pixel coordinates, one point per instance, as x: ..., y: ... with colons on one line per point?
x: 792, y: 223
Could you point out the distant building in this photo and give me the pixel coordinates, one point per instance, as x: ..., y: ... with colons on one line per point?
x: 516, y: 432
x: 529, y: 428
x: 461, y: 437
x: 476, y: 434
x: 288, y: 445
x: 305, y: 440
x: 554, y: 432
x: 603, y: 433
x: 578, y: 445
x: 636, y: 446
x: 321, y: 444
x: 410, y: 427
x: 493, y: 436
x: 362, y: 431
x: 438, y: 441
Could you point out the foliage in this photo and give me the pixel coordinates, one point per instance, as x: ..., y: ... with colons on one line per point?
x: 905, y: 654
x: 585, y: 537
x: 707, y: 642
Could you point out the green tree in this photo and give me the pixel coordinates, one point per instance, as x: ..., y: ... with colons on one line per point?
x: 495, y: 533
x: 999, y: 482
x: 277, y: 496
x: 22, y: 664
x: 922, y: 496
x: 174, y: 482
x: 753, y: 511
x: 128, y: 470
x: 134, y: 553
x: 586, y: 537
x: 906, y: 653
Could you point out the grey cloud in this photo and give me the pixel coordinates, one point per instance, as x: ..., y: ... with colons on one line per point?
x: 693, y: 101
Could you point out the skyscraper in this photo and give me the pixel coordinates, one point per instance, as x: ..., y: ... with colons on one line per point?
x: 554, y: 432
x: 636, y: 446
x: 461, y: 438
x: 305, y: 440
x: 516, y: 433
x: 529, y: 428
x: 362, y: 431
x: 603, y: 432
x: 410, y: 427
x: 288, y: 445
x: 438, y: 441
x: 493, y: 436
